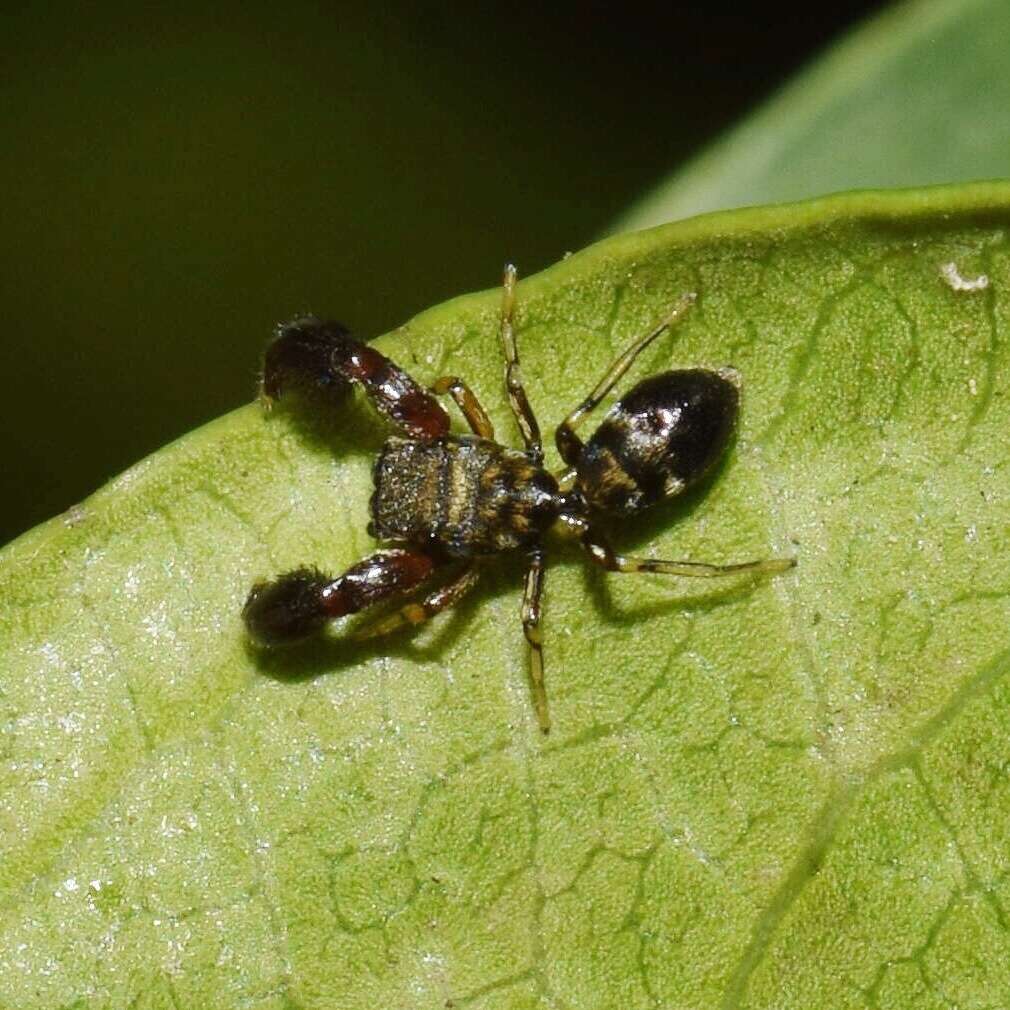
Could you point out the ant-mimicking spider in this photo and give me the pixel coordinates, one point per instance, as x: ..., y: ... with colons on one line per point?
x: 447, y: 499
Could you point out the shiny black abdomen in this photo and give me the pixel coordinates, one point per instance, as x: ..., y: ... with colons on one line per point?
x: 664, y: 436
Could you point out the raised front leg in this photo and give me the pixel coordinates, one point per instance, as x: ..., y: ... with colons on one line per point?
x: 320, y: 355
x: 525, y: 418
x: 569, y: 444
x: 297, y: 605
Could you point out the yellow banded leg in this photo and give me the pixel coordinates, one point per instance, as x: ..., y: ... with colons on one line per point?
x: 569, y: 444
x: 417, y: 613
x: 531, y: 629
x: 466, y: 400
x: 600, y: 551
x: 525, y: 418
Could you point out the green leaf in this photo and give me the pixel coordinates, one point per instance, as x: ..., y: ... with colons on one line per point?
x: 785, y: 793
x: 918, y: 95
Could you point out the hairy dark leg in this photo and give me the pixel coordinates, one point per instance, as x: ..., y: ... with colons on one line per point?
x: 299, y: 356
x: 298, y: 604
x: 569, y: 444
x: 314, y: 354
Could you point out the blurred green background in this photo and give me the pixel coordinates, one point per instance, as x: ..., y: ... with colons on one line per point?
x: 175, y: 181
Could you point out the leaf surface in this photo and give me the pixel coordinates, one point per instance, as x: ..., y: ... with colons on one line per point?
x: 779, y: 793
x: 917, y: 95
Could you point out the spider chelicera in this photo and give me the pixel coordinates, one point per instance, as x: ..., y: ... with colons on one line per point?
x: 449, y: 501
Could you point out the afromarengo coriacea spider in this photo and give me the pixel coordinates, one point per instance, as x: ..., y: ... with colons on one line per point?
x: 449, y: 501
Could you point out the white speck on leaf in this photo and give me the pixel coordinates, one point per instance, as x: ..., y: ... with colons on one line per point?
x: 51, y: 653
x: 70, y: 723
x: 131, y: 584
x: 956, y: 281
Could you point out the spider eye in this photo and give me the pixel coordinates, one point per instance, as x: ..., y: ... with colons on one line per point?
x: 659, y: 439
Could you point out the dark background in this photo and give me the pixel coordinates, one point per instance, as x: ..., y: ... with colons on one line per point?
x: 175, y: 182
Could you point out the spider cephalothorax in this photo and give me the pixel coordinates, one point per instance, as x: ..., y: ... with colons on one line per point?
x: 450, y: 501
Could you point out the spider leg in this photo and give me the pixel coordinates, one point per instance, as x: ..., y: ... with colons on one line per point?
x: 569, y: 444
x: 602, y: 553
x: 525, y: 418
x: 534, y: 636
x: 298, y: 604
x: 417, y: 613
x: 466, y: 400
x: 314, y: 354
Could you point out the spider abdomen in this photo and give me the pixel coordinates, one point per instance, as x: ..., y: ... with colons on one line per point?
x: 656, y: 441
x: 466, y: 496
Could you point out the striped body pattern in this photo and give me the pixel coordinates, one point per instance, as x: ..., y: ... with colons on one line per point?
x: 462, y: 495
x: 446, y: 503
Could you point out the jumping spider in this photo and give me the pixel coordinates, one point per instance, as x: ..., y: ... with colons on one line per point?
x: 452, y: 500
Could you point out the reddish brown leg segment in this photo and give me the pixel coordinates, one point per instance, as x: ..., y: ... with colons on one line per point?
x: 320, y: 355
x: 417, y: 613
x: 297, y: 605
